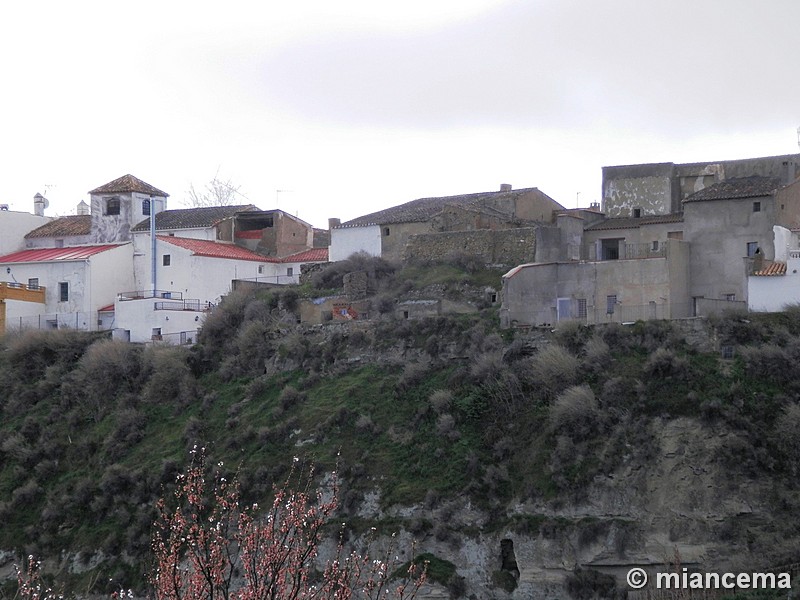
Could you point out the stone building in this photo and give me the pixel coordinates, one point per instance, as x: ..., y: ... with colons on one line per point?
x: 674, y: 240
x: 429, y: 228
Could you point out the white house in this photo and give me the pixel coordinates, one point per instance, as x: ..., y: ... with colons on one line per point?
x: 773, y: 285
x: 191, y: 276
x: 13, y: 227
x: 79, y: 281
x: 347, y: 240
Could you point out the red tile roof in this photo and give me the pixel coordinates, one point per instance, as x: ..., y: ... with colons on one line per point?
x: 109, y: 308
x: 52, y: 254
x: 215, y: 249
x: 312, y: 255
x: 63, y: 227
x: 775, y: 268
x: 128, y: 183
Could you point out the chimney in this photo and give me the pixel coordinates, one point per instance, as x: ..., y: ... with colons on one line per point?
x: 334, y: 223
x: 39, y: 204
x: 505, y: 187
x: 83, y: 208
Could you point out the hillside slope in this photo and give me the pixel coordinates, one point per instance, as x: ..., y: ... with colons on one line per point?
x: 516, y: 456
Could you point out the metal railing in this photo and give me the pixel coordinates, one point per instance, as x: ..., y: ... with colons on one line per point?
x: 181, y: 338
x: 143, y: 294
x: 190, y: 305
x: 625, y: 251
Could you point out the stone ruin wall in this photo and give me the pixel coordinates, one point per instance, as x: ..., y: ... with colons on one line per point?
x: 507, y: 247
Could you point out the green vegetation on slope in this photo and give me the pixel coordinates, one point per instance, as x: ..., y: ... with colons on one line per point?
x: 93, y: 430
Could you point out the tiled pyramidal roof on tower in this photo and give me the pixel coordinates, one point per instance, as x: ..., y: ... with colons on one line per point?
x: 126, y: 184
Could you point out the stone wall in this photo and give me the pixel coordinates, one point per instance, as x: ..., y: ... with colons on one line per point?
x: 508, y: 247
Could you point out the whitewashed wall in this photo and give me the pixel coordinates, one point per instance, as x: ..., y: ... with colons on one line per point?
x: 348, y: 240
x: 13, y: 227
x: 134, y: 320
x: 773, y: 293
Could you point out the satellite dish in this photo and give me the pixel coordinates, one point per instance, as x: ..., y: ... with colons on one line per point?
x: 46, y: 203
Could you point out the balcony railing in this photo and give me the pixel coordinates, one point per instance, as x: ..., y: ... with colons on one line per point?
x: 190, y: 305
x: 143, y: 294
x: 624, y: 251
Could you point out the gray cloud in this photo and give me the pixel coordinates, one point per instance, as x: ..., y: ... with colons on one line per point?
x: 670, y: 66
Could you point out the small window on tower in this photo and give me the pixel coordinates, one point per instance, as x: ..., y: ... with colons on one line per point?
x: 146, y: 206
x: 756, y: 206
x: 112, y: 205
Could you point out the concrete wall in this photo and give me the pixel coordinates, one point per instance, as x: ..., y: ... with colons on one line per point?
x: 62, y: 241
x: 111, y: 273
x: 349, y: 240
x: 13, y: 227
x: 645, y: 289
x: 659, y: 188
x: 117, y: 228
x: 647, y: 187
x: 134, y: 321
x: 719, y: 231
x: 787, y: 206
x: 535, y: 206
x: 643, y: 235
x: 496, y: 247
x: 395, y: 237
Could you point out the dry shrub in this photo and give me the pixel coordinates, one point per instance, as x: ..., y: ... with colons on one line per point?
x: 413, y: 373
x: 108, y: 369
x: 553, y: 369
x: 290, y: 397
x: 440, y: 400
x: 170, y: 375
x: 597, y: 355
x: 665, y: 363
x: 253, y: 347
x: 787, y: 431
x: 575, y: 412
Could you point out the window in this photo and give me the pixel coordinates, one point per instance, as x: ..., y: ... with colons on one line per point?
x: 727, y: 352
x: 260, y: 269
x: 611, y: 302
x: 385, y: 231
x: 112, y: 205
x: 289, y: 271
x: 756, y: 206
x: 63, y: 291
x: 166, y: 259
x: 654, y: 247
x: 752, y: 249
x: 33, y: 283
x: 609, y: 249
x: 637, y: 212
x: 146, y: 206
x: 563, y: 308
x: 581, y: 308
x: 156, y: 333
x: 729, y: 297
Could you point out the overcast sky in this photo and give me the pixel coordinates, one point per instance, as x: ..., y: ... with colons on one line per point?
x: 351, y: 106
